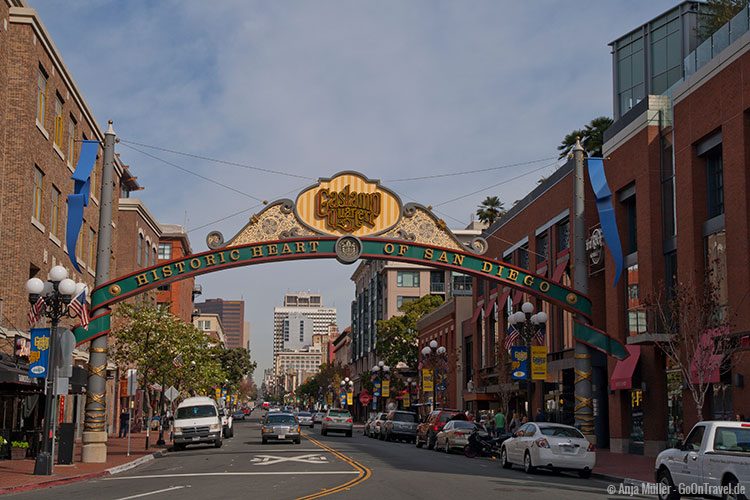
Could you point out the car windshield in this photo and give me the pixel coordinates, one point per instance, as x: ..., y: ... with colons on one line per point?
x: 405, y: 417
x: 564, y: 432
x: 333, y: 413
x: 735, y: 439
x: 304, y: 414
x: 196, y: 411
x: 463, y: 424
x: 280, y: 419
x: 382, y: 416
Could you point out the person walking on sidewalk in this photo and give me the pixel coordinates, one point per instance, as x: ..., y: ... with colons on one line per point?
x: 499, y: 423
x: 124, y: 423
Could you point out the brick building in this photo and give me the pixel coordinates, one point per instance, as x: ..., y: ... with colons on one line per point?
x: 173, y: 244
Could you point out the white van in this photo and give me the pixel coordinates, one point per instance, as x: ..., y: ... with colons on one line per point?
x: 197, y: 421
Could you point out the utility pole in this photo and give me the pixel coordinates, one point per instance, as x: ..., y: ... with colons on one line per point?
x: 584, y: 411
x: 95, y: 422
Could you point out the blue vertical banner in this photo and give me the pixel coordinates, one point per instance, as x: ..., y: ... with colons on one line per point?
x: 39, y: 355
x: 80, y: 197
x: 606, y: 213
x: 519, y: 362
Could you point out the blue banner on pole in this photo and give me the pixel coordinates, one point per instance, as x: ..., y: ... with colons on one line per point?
x: 80, y: 197
x: 39, y: 355
x: 519, y: 363
x: 606, y: 213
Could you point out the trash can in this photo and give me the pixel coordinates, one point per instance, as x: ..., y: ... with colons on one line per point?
x: 65, y: 440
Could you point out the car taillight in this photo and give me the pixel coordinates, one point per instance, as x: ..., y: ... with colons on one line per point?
x: 592, y: 446
x: 542, y: 443
x: 435, y: 428
x: 328, y: 419
x: 349, y: 421
x: 298, y: 429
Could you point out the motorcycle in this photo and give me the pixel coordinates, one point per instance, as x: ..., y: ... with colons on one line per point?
x: 485, y: 446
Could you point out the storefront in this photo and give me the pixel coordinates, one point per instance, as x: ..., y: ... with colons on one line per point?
x: 21, y: 405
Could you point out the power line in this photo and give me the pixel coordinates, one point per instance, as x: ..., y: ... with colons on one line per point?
x: 213, y: 181
x: 437, y: 176
x: 215, y: 160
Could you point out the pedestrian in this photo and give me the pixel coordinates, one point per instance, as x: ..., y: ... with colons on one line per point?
x: 499, y: 423
x: 491, y: 427
x: 514, y: 423
x: 124, y: 422
x: 539, y: 417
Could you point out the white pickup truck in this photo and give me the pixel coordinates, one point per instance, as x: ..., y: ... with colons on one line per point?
x: 714, y: 460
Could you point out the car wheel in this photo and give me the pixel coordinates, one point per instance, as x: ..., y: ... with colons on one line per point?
x: 264, y: 441
x: 584, y: 474
x: 349, y: 434
x: 218, y: 443
x: 504, y: 459
x: 323, y: 432
x: 528, y: 467
x: 231, y: 432
x: 178, y: 447
x: 417, y: 442
x: 664, y: 478
x: 431, y: 441
x: 732, y: 488
x: 298, y: 441
x: 447, y: 448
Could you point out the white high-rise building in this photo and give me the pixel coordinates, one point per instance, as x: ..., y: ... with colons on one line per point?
x: 294, y: 317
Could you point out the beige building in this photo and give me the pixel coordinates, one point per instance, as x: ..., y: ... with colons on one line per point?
x: 293, y: 368
x: 210, y: 324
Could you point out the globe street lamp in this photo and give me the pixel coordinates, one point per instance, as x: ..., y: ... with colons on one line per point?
x: 432, y: 355
x: 380, y: 372
x: 51, y: 299
x: 528, y: 325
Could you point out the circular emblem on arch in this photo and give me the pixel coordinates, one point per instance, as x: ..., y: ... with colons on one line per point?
x: 115, y: 290
x: 214, y: 240
x: 571, y: 298
x: 348, y: 249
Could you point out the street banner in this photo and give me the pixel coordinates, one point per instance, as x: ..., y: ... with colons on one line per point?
x: 376, y: 390
x: 342, y: 398
x: 39, y: 355
x: 538, y: 362
x: 386, y: 389
x: 427, y: 385
x: 218, y: 394
x: 350, y: 398
x: 519, y: 363
x: 406, y: 400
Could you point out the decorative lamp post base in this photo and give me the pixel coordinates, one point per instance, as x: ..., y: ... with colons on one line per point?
x: 43, y: 464
x: 94, y: 447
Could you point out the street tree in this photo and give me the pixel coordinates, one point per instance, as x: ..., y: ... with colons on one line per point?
x: 237, y: 365
x: 490, y: 210
x: 696, y: 336
x: 592, y: 137
x: 398, y: 336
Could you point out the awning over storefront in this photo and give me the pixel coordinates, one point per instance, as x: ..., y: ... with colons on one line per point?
x: 622, y: 377
x: 13, y: 379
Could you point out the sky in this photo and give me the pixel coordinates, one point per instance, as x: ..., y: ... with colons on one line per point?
x: 389, y: 88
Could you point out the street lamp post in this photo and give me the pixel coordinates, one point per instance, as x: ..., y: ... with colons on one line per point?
x: 57, y: 293
x: 432, y: 354
x: 381, y: 371
x: 528, y: 324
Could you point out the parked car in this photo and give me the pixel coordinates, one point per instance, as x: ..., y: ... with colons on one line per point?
x: 337, y: 420
x: 455, y: 434
x: 197, y: 421
x: 279, y: 426
x: 238, y: 415
x: 400, y: 425
x: 369, y: 424
x: 377, y: 426
x: 318, y: 417
x: 305, y: 418
x: 427, y: 431
x: 551, y: 446
x: 714, y: 455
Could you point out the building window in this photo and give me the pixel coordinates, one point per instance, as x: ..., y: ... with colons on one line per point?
x: 437, y: 282
x: 563, y: 235
x: 523, y: 257
x: 164, y: 288
x: 165, y: 251
x: 407, y: 279
x: 636, y: 315
x: 79, y: 246
x: 401, y: 300
x: 715, y: 184
x: 41, y: 91
x: 71, y: 141
x: 92, y: 246
x: 542, y: 247
x: 54, y: 218
x: 631, y: 241
x: 631, y: 66
x: 146, y: 253
x: 461, y: 284
x: 38, y: 193
x: 139, y: 250
x: 666, y: 53
x: 58, y: 122
x: 153, y: 256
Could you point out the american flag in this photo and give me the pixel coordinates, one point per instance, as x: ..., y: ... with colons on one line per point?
x: 539, y: 335
x: 510, y: 337
x: 79, y: 308
x: 177, y: 361
x: 35, y: 313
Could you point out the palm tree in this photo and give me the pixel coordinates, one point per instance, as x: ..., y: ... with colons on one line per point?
x: 490, y: 210
x: 592, y: 135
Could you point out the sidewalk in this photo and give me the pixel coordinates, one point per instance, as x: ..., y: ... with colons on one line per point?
x: 18, y: 475
x: 624, y: 466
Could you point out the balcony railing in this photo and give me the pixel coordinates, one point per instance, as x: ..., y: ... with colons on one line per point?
x: 437, y: 287
x: 720, y: 40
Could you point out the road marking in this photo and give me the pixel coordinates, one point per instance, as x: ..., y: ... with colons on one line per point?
x: 363, y: 473
x: 269, y: 473
x: 273, y: 460
x: 152, y: 493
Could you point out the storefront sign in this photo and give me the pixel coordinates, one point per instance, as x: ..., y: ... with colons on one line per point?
x: 386, y: 389
x: 427, y: 385
x: 538, y: 362
x: 519, y: 363
x: 39, y: 355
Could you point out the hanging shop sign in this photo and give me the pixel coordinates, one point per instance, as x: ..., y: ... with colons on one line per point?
x: 39, y: 354
x: 519, y: 363
x: 538, y: 362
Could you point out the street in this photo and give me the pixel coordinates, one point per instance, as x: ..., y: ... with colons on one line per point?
x: 357, y: 467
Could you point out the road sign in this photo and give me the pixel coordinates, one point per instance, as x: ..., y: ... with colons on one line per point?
x: 132, y: 381
x: 171, y: 393
x: 365, y: 398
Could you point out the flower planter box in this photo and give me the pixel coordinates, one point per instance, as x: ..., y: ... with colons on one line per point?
x: 17, y: 453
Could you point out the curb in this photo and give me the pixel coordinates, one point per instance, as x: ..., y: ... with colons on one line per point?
x: 83, y: 477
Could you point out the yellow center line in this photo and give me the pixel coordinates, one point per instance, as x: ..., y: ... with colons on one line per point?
x: 364, y: 472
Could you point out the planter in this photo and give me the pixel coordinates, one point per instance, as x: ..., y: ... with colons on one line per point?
x: 18, y: 453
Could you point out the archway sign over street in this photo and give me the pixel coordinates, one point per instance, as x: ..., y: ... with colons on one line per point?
x: 346, y: 217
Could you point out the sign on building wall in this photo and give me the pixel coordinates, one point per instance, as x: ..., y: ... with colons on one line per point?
x: 538, y: 362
